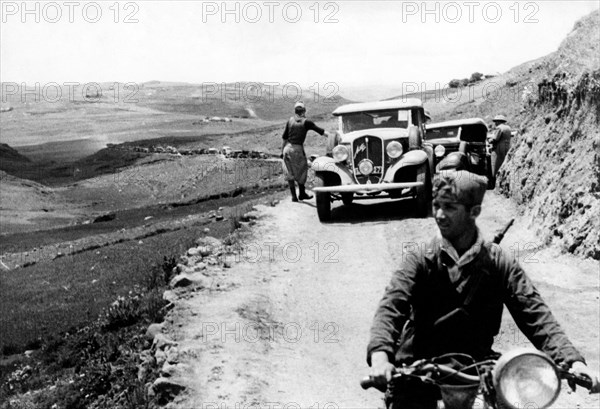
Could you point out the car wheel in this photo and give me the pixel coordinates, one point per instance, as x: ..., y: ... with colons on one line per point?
x: 323, y: 200
x: 347, y: 198
x: 423, y: 194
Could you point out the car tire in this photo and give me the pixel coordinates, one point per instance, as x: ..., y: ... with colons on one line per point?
x: 323, y: 200
x: 347, y: 198
x: 423, y: 193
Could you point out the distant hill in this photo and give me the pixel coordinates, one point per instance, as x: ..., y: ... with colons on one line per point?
x: 27, y: 205
x: 11, y: 161
x: 365, y: 93
x: 240, y: 99
x: 57, y: 172
x: 8, y: 154
x: 86, y: 119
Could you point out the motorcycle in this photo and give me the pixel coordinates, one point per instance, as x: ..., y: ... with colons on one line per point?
x: 521, y: 378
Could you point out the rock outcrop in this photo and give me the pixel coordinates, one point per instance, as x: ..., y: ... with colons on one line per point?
x: 553, y: 168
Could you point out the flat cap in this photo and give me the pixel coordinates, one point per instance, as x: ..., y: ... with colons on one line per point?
x: 499, y: 118
x: 300, y: 105
x: 459, y: 186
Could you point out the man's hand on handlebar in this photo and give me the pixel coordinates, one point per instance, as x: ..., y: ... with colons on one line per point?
x: 381, y: 369
x: 579, y: 368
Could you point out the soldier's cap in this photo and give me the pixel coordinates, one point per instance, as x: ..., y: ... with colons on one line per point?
x: 459, y: 186
x: 499, y: 118
x: 299, y: 105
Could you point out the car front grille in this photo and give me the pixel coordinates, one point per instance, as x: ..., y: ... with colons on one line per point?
x: 368, y: 148
x: 450, y: 149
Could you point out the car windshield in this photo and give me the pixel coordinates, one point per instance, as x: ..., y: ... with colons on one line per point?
x: 466, y: 132
x: 357, y: 121
x: 450, y: 132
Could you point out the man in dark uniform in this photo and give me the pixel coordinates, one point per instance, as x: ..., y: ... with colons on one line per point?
x: 449, y: 299
x: 292, y: 150
x: 500, y: 143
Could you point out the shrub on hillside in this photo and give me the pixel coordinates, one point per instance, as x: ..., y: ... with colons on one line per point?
x: 96, y: 366
x: 475, y: 77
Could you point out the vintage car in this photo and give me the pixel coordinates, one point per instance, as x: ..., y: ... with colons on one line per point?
x: 461, y: 143
x: 381, y: 154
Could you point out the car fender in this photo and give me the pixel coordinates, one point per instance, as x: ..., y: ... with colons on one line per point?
x: 427, y: 147
x: 327, y: 164
x: 411, y: 158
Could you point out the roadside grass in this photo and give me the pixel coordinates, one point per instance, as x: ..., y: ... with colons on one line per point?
x: 212, y: 194
x: 86, y: 316
x: 96, y: 365
x: 53, y: 297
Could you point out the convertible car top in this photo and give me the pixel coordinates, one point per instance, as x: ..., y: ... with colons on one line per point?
x: 404, y: 103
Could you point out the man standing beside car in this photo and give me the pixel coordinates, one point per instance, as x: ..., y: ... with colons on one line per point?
x: 292, y: 150
x: 500, y: 143
x: 449, y: 298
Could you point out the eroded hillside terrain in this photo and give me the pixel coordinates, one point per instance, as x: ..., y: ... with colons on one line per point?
x: 553, y: 167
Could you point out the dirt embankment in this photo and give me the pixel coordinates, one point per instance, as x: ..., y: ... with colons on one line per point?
x: 553, y: 169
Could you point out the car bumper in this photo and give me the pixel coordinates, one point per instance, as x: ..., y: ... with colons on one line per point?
x: 376, y: 187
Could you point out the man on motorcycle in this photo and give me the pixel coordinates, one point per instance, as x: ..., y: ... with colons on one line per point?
x: 449, y: 298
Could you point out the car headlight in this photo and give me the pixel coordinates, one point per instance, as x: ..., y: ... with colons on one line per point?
x: 394, y: 149
x: 439, y: 151
x: 526, y: 377
x: 365, y: 167
x: 340, y: 153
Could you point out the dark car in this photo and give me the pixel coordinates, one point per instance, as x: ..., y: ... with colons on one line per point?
x: 461, y: 143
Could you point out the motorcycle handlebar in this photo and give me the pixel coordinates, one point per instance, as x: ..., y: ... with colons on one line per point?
x: 579, y: 380
x: 367, y: 382
x: 443, y: 370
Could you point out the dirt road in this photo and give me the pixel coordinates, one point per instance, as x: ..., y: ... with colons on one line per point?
x: 287, y: 325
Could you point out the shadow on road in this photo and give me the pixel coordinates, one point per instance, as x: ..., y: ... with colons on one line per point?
x: 372, y: 211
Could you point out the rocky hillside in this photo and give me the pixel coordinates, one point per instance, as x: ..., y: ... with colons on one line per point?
x: 553, y: 168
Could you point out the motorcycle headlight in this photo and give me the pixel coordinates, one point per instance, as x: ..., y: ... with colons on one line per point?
x: 394, y: 149
x: 365, y: 167
x: 526, y: 377
x: 340, y: 153
x: 439, y: 151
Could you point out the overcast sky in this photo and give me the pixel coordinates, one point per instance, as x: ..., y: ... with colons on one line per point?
x: 346, y: 42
